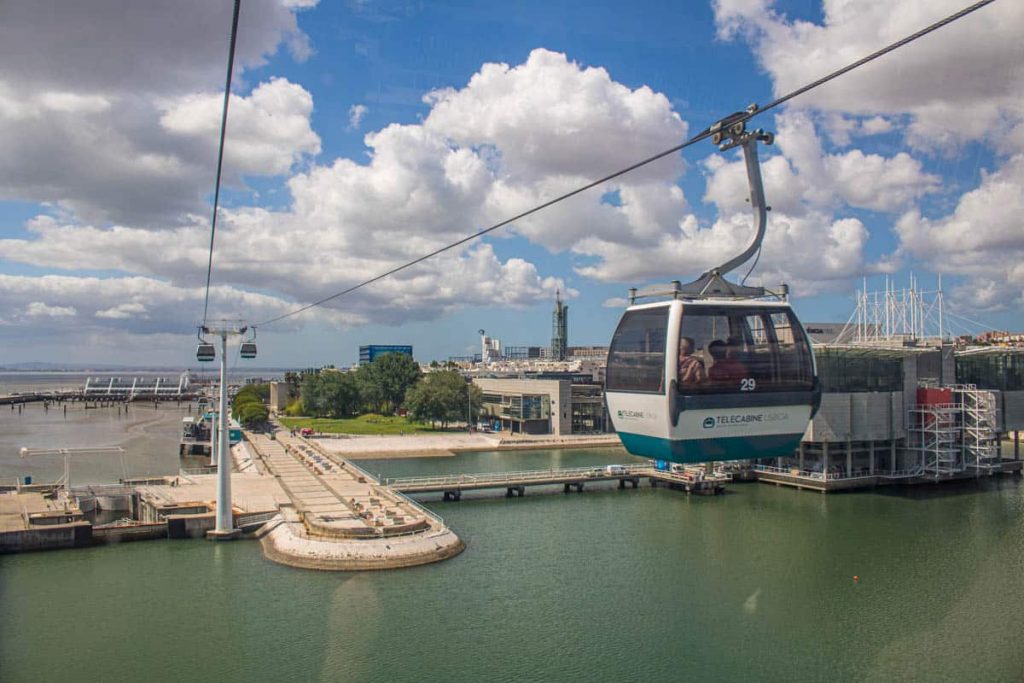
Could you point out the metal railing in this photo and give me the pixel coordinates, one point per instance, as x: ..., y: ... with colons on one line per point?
x: 247, y: 518
x: 209, y: 469
x: 902, y: 474
x: 525, y: 476
x: 906, y: 473
x: 429, y: 513
x: 818, y: 476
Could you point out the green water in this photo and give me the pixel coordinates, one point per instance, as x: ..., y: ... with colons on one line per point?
x: 644, y: 585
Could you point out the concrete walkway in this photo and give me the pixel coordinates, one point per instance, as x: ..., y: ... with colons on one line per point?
x: 341, y: 518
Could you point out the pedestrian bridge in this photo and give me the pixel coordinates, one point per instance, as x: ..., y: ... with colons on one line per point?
x: 515, y: 483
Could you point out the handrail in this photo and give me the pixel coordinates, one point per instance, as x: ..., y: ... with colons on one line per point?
x: 902, y: 474
x: 524, y: 475
x: 421, y: 508
x: 208, y: 469
x: 820, y: 476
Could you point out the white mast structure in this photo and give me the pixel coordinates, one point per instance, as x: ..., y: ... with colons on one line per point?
x: 898, y: 314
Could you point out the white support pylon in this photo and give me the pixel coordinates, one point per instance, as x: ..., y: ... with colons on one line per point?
x: 225, y: 523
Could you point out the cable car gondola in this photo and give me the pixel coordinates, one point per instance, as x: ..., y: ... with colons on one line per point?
x: 714, y: 370
x: 247, y: 348
x: 205, y: 351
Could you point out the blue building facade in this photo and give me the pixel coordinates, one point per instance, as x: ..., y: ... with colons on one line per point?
x: 370, y: 351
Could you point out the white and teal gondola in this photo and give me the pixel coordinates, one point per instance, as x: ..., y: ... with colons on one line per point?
x: 748, y: 391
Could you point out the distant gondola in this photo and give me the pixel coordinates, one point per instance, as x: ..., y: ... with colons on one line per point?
x: 205, y: 351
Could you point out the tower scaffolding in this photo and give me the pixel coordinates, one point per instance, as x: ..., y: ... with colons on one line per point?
x: 934, y: 434
x: 980, y: 435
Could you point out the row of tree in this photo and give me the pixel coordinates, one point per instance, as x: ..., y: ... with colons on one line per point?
x: 248, y: 408
x: 391, y: 381
x: 444, y: 397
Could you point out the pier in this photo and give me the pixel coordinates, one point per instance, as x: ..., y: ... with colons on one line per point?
x: 693, y: 480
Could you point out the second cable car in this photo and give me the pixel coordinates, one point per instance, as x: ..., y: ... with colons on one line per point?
x: 205, y: 351
x: 719, y: 370
x: 247, y: 349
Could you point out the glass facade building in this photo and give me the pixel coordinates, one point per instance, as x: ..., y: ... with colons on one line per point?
x: 998, y: 369
x: 369, y: 352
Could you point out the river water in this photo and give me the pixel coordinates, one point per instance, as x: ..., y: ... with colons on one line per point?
x: 632, y: 585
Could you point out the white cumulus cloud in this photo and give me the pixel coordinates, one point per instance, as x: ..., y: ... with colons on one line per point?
x: 38, y: 309
x: 962, y: 83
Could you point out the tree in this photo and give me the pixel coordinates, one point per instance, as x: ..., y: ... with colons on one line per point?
x: 444, y: 397
x: 295, y: 408
x: 252, y: 414
x: 395, y: 374
x: 384, y: 382
x: 339, y: 394
x: 369, y: 390
x: 330, y: 394
x: 247, y: 406
x: 310, y: 393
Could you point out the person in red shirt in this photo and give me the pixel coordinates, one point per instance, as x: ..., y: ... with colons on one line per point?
x: 727, y: 369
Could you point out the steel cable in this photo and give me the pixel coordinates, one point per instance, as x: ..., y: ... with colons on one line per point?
x: 743, y: 117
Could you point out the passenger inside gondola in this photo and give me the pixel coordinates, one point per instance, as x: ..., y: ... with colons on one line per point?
x: 691, y: 368
x: 727, y: 368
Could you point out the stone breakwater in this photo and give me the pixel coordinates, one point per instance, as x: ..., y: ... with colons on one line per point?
x: 288, y: 541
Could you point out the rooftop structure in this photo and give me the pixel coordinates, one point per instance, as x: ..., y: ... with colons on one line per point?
x: 369, y: 352
x: 490, y: 348
x: 132, y: 387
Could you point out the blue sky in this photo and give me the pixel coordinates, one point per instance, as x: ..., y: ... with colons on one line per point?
x: 362, y: 134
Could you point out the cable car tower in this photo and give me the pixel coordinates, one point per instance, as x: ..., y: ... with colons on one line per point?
x: 205, y: 352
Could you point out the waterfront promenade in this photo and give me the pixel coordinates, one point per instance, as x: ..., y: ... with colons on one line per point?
x: 449, y: 443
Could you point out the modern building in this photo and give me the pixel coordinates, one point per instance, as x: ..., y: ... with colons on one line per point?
x: 825, y: 333
x: 543, y: 406
x: 559, y: 328
x: 587, y: 353
x: 369, y: 352
x: 909, y: 414
x: 278, y: 396
x: 490, y: 348
x: 523, y: 352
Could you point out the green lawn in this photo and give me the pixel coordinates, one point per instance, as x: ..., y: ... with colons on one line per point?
x: 363, y: 424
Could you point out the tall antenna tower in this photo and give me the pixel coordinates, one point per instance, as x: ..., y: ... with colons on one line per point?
x: 559, y: 328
